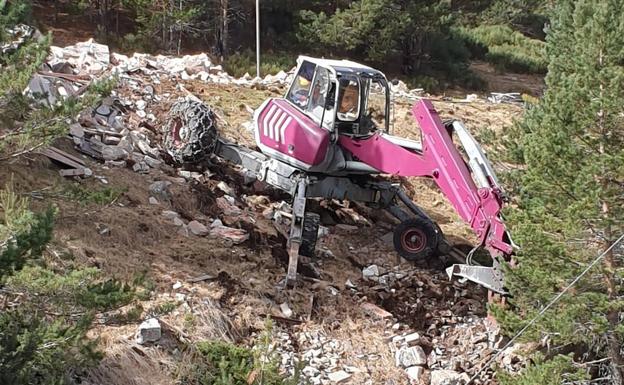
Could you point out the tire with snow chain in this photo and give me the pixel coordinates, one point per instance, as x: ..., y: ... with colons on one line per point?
x: 191, y: 134
x: 309, y: 234
x: 416, y: 239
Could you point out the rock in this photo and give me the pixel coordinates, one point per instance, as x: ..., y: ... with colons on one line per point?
x: 236, y: 236
x: 153, y: 201
x: 448, y: 377
x: 110, y: 139
x: 410, y: 356
x: 226, y: 189
x: 177, y: 285
x: 350, y: 285
x: 375, y: 311
x: 178, y: 222
x: 153, y: 163
x: 339, y: 376
x: 412, y: 339
x: 286, y: 310
x: 141, y: 167
x: 160, y: 190
x: 198, y: 228
x: 140, y: 104
x: 371, y: 273
x: 141, y: 114
x: 149, y: 331
x: 115, y: 163
x: 170, y: 214
x: 414, y: 373
x: 114, y: 153
x: 228, y: 208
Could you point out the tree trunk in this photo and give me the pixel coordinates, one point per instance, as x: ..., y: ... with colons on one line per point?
x: 224, y: 35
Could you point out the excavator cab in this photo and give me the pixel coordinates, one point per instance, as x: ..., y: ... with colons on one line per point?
x: 347, y: 97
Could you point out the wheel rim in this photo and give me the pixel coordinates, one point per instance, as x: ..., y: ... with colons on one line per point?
x: 175, y: 133
x: 413, y: 240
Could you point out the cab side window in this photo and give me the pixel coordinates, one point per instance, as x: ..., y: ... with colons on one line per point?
x: 349, y: 99
x: 299, y: 92
x: 318, y: 96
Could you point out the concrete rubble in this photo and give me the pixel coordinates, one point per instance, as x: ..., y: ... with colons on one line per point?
x: 149, y: 331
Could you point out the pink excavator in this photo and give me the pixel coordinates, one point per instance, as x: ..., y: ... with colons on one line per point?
x: 330, y: 137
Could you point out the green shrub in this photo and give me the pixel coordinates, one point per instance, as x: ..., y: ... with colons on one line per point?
x: 506, y: 49
x: 245, y: 62
x: 86, y: 195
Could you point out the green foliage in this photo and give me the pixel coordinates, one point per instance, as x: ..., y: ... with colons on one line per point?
x: 88, y: 195
x: 12, y: 13
x: 26, y: 244
x: 35, y: 351
x: 223, y: 363
x: 241, y: 63
x: 506, y: 49
x: 544, y: 372
x: 416, y: 34
x: 570, y: 203
x: 165, y: 308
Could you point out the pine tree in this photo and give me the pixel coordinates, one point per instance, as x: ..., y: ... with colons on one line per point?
x: 571, y: 193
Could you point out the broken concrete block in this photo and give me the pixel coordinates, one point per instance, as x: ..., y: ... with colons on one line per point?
x: 198, y: 228
x: 149, y: 331
x: 412, y: 339
x: 371, y: 273
x: 415, y: 373
x: 410, y: 356
x: 286, y: 310
x: 448, y: 377
x: 110, y: 139
x: 115, y: 163
x: 153, y: 163
x: 339, y: 376
x: 114, y: 153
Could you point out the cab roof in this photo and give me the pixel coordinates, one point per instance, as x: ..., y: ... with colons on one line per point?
x: 342, y: 67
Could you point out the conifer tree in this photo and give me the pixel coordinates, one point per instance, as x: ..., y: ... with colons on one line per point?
x: 571, y: 193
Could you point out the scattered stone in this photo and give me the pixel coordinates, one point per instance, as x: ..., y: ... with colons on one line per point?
x: 236, y: 236
x: 141, y: 167
x: 412, y: 339
x: 110, y: 139
x: 114, y: 153
x: 198, y: 228
x: 414, y: 373
x: 149, y: 331
x: 410, y: 356
x: 448, y: 377
x: 153, y: 163
x: 178, y: 222
x: 339, y: 376
x: 177, y: 285
x: 115, y: 163
x: 371, y: 273
x: 375, y: 311
x: 170, y: 214
x: 153, y: 201
x: 285, y: 309
x: 226, y: 189
x: 160, y: 190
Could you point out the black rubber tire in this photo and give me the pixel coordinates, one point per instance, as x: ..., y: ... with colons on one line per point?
x: 191, y: 133
x: 416, y: 239
x: 309, y: 234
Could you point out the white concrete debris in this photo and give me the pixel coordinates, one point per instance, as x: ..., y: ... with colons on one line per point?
x: 339, y: 376
x: 415, y: 373
x: 371, y: 273
x: 149, y: 331
x: 410, y: 356
x: 448, y: 377
x: 86, y: 57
